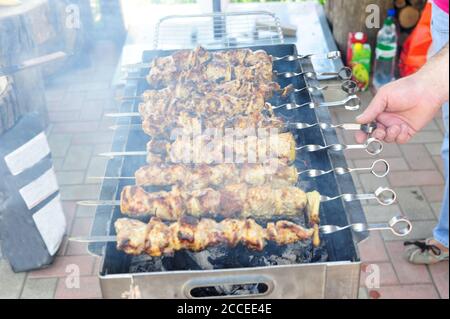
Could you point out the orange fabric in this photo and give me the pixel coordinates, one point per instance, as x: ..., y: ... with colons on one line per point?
x: 415, y: 49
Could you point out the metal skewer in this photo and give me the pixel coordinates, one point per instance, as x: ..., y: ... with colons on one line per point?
x: 366, y: 128
x: 385, y: 196
x: 343, y: 74
x: 350, y: 87
x: 372, y: 146
x: 350, y: 103
x: 398, y: 225
x: 333, y: 55
x: 383, y: 172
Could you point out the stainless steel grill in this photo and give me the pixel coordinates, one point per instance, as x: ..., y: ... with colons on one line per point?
x: 296, y: 271
x: 218, y: 30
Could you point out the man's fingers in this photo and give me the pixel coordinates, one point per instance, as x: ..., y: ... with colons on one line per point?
x: 404, y: 136
x: 391, y: 133
x: 380, y: 132
x: 376, y: 107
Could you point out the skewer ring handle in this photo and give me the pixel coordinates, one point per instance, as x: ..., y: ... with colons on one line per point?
x: 350, y: 87
x: 385, y: 196
x: 374, y: 146
x: 380, y: 168
x: 400, y: 226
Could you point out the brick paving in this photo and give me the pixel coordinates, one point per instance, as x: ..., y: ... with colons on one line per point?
x: 78, y: 131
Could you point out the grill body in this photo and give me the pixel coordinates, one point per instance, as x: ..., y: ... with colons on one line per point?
x: 335, y: 277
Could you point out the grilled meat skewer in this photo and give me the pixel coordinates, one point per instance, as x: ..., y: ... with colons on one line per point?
x: 199, y: 65
x: 158, y: 239
x: 204, y: 149
x: 203, y: 176
x: 238, y: 200
x: 187, y: 124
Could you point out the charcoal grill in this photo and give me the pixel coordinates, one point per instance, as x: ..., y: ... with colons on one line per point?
x: 296, y: 271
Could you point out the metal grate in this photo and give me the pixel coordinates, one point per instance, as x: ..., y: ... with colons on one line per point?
x: 218, y: 30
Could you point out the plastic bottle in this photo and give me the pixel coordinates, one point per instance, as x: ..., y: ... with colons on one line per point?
x: 386, y: 52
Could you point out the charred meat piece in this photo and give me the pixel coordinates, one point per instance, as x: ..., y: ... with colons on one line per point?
x: 158, y: 239
x: 237, y: 200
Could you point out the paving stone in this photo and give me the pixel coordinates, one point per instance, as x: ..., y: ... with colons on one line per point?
x: 81, y: 227
x: 417, y: 178
x: 439, y: 273
x: 76, y: 249
x: 76, y: 127
x: 434, y: 148
x: 427, y: 137
x: 89, y: 288
x: 97, y: 167
x: 64, y: 116
x: 69, y: 212
x: 417, y: 156
x: 408, y: 292
x: 101, y: 148
x: 433, y: 193
x: 407, y: 273
x: 92, y: 110
x: 59, y: 144
x: 372, y: 249
x: 78, y: 157
x: 87, y: 86
x: 93, y: 138
x: 12, y: 282
x: 55, y: 94
x: 370, y: 182
x: 70, y: 177
x: 65, y: 265
x: 386, y: 272
x: 85, y: 211
x: 58, y: 163
x: 439, y: 164
x: 432, y: 126
x: 436, y: 208
x: 421, y: 229
x: 414, y: 204
x: 72, y: 101
x: 381, y: 214
x: 80, y: 192
x: 42, y: 288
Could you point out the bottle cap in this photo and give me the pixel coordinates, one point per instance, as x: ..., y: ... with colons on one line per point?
x: 359, y: 36
x: 391, y: 12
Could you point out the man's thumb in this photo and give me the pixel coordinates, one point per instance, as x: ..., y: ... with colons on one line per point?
x: 375, y: 108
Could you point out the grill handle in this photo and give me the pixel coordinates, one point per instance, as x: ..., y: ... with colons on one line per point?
x: 192, y: 284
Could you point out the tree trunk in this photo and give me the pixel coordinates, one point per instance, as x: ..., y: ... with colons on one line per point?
x: 350, y: 16
x: 22, y: 29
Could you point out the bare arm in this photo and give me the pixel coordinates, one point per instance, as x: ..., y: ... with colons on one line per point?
x: 404, y: 107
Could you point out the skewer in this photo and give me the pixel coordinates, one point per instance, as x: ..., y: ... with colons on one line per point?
x: 343, y: 74
x: 350, y: 103
x: 333, y: 55
x: 385, y: 168
x: 350, y: 87
x: 371, y: 146
x: 383, y: 195
x: 398, y: 225
x: 366, y: 128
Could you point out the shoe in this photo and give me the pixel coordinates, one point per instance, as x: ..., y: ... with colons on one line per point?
x: 424, y: 253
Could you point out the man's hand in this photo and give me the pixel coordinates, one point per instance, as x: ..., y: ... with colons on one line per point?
x: 404, y: 107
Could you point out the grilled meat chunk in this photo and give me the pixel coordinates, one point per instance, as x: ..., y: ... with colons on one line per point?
x: 158, y: 239
x: 237, y: 200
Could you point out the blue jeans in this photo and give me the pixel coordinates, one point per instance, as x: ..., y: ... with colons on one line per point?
x: 440, y: 39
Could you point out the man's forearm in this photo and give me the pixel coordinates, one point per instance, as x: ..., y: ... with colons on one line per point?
x: 435, y: 75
